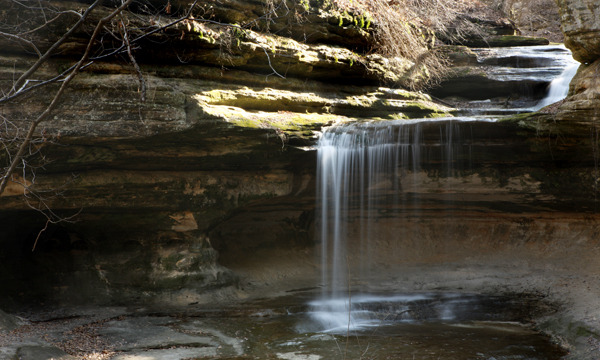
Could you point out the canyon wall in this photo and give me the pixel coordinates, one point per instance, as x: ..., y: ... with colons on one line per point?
x: 580, y: 22
x: 207, y: 189
x: 228, y: 121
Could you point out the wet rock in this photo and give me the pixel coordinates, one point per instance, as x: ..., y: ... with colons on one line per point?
x: 505, y: 41
x: 580, y: 21
x: 151, y: 333
x: 583, y: 101
x: 34, y: 352
x: 168, y: 354
x: 8, y: 322
x: 479, y: 83
x: 481, y: 74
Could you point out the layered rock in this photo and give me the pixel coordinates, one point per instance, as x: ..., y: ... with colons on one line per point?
x: 221, y: 132
x: 216, y: 158
x: 500, y: 32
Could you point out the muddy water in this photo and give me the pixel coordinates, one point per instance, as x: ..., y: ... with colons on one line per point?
x: 438, y: 328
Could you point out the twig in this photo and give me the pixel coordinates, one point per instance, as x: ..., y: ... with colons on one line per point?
x: 271, y: 66
x: 41, y: 83
x: 40, y: 233
x: 18, y: 38
x: 46, y: 56
x: 266, y: 16
x: 17, y: 158
x: 135, y: 64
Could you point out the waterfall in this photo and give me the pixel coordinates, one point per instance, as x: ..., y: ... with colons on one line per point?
x: 559, y: 87
x: 372, y: 170
x: 367, y: 172
x: 377, y: 181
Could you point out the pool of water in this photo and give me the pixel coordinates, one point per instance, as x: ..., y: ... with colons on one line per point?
x: 414, y: 326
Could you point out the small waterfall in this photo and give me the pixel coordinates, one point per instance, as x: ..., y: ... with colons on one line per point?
x: 559, y: 87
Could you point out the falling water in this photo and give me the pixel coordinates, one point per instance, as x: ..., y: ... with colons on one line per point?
x: 373, y: 169
x: 559, y: 87
x: 367, y: 172
x: 371, y: 173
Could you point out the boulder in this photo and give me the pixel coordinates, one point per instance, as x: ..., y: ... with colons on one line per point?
x: 581, y: 25
x: 583, y: 103
x: 8, y: 322
x: 580, y: 22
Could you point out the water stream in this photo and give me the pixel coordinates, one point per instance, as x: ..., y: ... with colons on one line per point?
x: 525, y: 67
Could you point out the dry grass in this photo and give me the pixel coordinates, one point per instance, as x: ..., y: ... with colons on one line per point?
x: 401, y: 28
x: 402, y: 31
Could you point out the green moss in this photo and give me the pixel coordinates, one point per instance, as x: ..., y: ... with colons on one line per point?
x: 438, y: 115
x: 517, y: 117
x: 399, y: 116
x: 248, y: 123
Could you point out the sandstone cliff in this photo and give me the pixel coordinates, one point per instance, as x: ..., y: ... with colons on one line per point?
x: 225, y: 122
x: 220, y: 157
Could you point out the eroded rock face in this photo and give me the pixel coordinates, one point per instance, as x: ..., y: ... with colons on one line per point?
x: 216, y: 159
x: 580, y: 22
x: 583, y: 103
x: 220, y: 133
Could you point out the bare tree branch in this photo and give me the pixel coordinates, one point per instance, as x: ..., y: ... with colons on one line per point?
x: 19, y: 155
x: 135, y: 64
x: 121, y: 49
x: 19, y: 38
x: 271, y: 66
x: 17, y: 86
